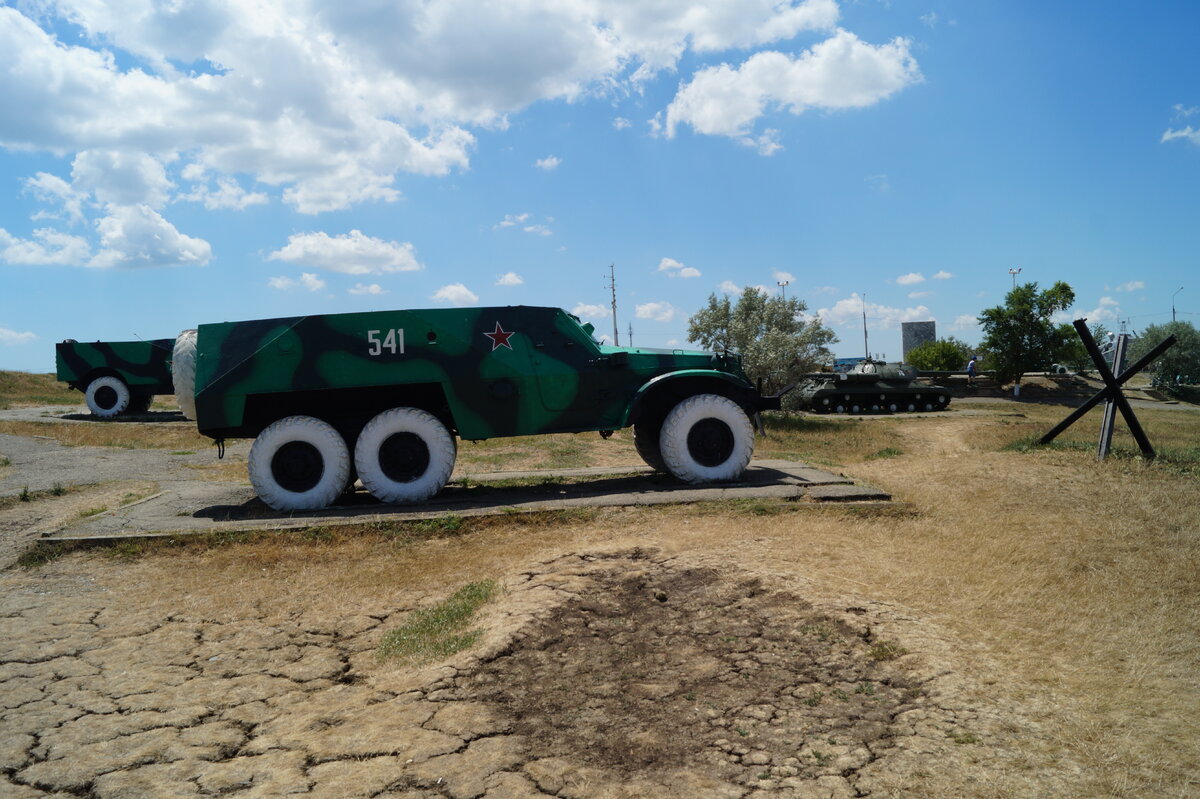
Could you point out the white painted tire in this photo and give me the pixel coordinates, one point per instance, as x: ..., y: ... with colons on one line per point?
x: 183, y: 372
x: 107, y: 397
x: 706, y: 438
x: 299, y: 463
x: 404, y: 455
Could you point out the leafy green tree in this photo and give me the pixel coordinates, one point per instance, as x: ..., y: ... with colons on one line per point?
x: 778, y: 342
x: 1019, y: 336
x: 1181, y: 361
x: 944, y: 355
x: 1075, y: 355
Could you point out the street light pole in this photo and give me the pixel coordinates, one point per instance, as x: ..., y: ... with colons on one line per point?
x: 1014, y: 273
x: 783, y: 284
x: 1173, y: 302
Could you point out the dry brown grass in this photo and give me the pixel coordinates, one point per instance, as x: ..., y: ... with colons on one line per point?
x: 1073, y: 585
x: 127, y: 435
x: 25, y: 389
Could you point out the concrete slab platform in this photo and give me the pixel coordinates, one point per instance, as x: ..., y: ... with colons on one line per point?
x: 196, y: 507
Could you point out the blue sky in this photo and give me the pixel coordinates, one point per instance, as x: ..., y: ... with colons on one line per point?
x: 165, y: 165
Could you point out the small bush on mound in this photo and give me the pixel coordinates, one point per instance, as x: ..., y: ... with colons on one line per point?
x: 435, y: 632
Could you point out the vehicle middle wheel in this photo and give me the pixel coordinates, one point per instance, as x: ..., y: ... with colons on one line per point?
x: 404, y: 455
x: 299, y: 463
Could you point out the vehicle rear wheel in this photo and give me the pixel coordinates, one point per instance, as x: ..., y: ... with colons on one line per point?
x: 706, y: 438
x: 139, y: 402
x: 299, y: 463
x: 107, y: 397
x: 183, y: 372
x: 404, y: 455
x: 645, y: 441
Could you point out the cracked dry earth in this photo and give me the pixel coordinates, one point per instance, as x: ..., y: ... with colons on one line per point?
x: 620, y: 674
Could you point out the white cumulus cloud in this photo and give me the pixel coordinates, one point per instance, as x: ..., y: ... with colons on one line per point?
x: 307, y: 280
x: 911, y: 279
x: 1132, y: 285
x: 587, y: 311
x: 456, y: 294
x: 850, y: 310
x: 11, y: 338
x: 137, y: 236
x: 674, y: 268
x: 838, y: 73
x: 364, y: 288
x: 784, y: 277
x: 510, y: 220
x: 658, y: 311
x: 509, y: 279
x: 942, y: 274
x: 916, y: 295
x: 47, y: 248
x: 729, y: 287
x: 350, y: 253
x: 548, y: 163
x: 540, y: 230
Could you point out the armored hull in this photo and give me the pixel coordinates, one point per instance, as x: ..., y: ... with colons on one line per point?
x: 870, y: 387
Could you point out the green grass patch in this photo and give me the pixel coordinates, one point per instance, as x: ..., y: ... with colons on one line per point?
x: 4, y: 461
x: 42, y: 553
x: 439, y: 631
x: 886, y: 650
x: 886, y: 452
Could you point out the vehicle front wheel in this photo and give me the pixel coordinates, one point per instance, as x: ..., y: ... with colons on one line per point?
x: 107, y: 397
x: 299, y: 463
x: 404, y: 455
x: 706, y: 438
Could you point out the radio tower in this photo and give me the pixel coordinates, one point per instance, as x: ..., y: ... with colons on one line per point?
x: 612, y: 287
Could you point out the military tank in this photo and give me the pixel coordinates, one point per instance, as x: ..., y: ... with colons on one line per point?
x: 870, y: 387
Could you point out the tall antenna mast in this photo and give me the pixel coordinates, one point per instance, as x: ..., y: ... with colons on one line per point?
x: 631, y: 334
x: 612, y: 287
x: 866, y: 349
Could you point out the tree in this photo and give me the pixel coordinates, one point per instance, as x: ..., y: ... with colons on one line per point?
x: 1075, y: 355
x: 944, y: 355
x: 1182, y: 360
x: 775, y: 338
x: 1019, y: 336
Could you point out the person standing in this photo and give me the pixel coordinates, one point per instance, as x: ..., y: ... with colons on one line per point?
x: 971, y: 371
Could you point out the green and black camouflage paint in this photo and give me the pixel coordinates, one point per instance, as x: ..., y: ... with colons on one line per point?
x: 143, y: 365
x: 872, y: 386
x: 487, y: 372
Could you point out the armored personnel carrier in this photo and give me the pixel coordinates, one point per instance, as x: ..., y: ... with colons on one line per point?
x: 116, y: 377
x: 870, y: 387
x: 384, y: 396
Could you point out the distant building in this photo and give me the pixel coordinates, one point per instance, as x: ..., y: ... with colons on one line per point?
x: 915, y: 334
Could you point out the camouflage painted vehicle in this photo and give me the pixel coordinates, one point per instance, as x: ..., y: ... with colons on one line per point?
x: 870, y: 387
x: 116, y: 377
x: 384, y: 395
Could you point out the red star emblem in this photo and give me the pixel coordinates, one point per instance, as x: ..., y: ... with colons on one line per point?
x: 499, y: 337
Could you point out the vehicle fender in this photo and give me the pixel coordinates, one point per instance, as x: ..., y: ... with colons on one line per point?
x: 667, y: 389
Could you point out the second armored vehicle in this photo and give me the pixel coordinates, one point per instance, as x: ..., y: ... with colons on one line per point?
x: 116, y: 377
x: 870, y: 387
x: 385, y: 394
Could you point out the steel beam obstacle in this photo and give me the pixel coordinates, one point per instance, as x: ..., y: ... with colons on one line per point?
x: 1111, y: 393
